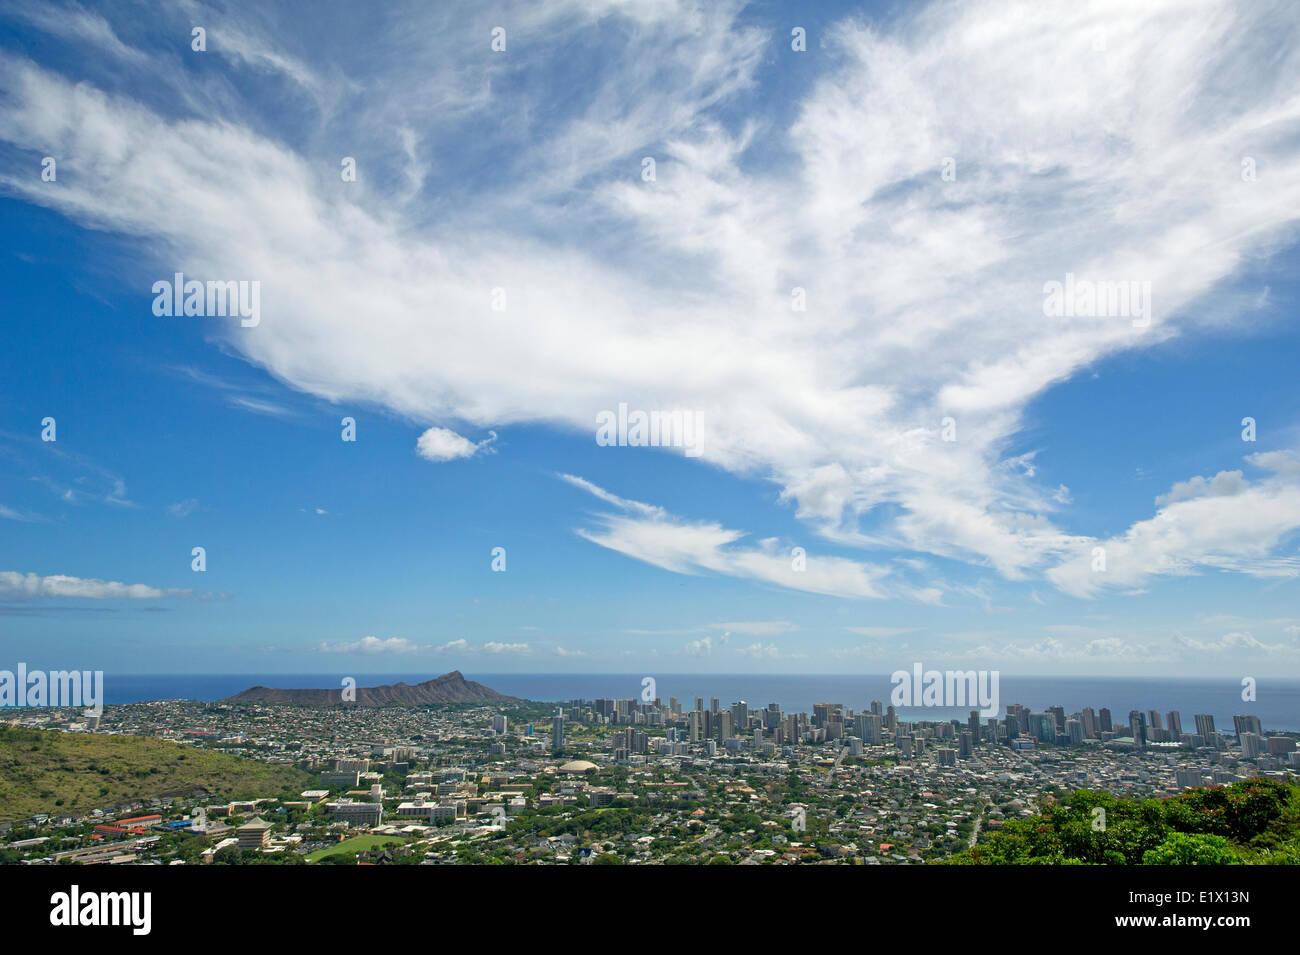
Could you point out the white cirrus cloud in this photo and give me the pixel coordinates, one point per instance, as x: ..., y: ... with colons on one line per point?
x: 677, y: 292
x: 655, y: 537
x: 19, y: 586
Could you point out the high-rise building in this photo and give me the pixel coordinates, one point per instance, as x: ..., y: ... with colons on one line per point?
x: 740, y: 716
x: 772, y: 716
x: 1246, y: 724
x: 557, y: 730
x: 874, y: 730
x: 1017, y: 721
x: 1137, y: 722
x: 1058, y: 714
x: 1106, y: 725
x: 1175, y: 726
x: 1043, y: 726
x: 1153, y: 720
x: 1204, y: 726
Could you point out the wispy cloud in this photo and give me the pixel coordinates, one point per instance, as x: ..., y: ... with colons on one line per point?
x: 371, y: 645
x: 1223, y: 523
x: 677, y: 291
x: 19, y: 586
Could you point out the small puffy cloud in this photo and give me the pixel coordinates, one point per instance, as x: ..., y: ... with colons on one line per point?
x: 183, y: 508
x: 519, y: 649
x: 440, y: 444
x: 700, y: 648
x: 1280, y: 462
x: 372, y: 645
x: 1223, y: 484
x: 1236, y: 642
x: 491, y: 647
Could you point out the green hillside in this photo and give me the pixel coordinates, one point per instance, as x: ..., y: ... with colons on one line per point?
x: 1252, y: 822
x: 43, y: 771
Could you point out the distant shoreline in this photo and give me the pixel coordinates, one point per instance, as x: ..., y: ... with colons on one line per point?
x: 1277, y: 706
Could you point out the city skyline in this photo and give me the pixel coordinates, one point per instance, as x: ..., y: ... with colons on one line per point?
x: 981, y: 387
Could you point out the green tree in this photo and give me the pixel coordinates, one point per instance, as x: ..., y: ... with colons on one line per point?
x: 1191, y: 849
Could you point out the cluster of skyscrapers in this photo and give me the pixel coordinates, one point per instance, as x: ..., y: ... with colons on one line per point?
x: 766, y: 730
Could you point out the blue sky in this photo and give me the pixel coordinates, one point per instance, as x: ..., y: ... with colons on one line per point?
x: 822, y: 428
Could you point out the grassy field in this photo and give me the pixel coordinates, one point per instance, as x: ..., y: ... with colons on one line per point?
x: 357, y: 844
x: 44, y: 771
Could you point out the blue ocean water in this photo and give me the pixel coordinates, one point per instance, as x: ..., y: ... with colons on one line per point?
x: 1277, y: 702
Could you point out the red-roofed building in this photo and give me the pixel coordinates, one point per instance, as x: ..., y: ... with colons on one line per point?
x: 140, y: 820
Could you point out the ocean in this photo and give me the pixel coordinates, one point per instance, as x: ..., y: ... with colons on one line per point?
x: 1277, y: 702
